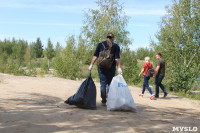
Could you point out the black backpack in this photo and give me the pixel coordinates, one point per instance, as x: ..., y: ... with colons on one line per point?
x: 150, y: 72
x: 105, y: 58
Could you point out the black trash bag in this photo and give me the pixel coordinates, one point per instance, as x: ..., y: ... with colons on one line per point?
x: 85, y: 97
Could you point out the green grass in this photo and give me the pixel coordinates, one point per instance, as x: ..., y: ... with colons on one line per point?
x: 188, y: 95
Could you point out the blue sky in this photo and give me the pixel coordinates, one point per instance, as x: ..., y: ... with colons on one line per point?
x: 58, y: 19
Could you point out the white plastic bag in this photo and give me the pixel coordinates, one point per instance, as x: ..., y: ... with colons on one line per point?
x: 119, y: 95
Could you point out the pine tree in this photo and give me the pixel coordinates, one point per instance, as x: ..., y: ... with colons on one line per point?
x: 38, y: 48
x: 49, y: 52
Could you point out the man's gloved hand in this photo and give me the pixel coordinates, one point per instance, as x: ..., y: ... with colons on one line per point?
x: 90, y: 67
x: 120, y: 71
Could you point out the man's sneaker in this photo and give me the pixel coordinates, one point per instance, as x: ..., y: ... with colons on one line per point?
x: 141, y: 95
x: 103, y: 104
x: 152, y: 97
x: 165, y: 94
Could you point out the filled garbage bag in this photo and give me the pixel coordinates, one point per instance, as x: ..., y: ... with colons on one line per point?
x: 85, y: 97
x: 119, y: 95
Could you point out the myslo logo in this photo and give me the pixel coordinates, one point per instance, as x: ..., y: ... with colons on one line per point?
x: 184, y: 129
x: 122, y: 85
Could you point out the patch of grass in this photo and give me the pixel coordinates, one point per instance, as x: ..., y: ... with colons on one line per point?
x: 41, y: 72
x: 189, y: 94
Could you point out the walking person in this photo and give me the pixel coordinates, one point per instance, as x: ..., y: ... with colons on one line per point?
x: 146, y: 66
x: 106, y: 74
x: 159, y: 75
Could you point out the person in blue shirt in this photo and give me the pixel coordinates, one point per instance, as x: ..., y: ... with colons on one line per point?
x: 106, y: 75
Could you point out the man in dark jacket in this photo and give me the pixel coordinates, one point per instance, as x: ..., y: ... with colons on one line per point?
x: 106, y: 75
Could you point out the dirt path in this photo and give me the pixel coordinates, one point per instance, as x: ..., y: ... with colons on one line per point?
x: 35, y: 105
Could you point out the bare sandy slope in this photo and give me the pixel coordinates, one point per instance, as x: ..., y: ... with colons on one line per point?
x: 35, y: 105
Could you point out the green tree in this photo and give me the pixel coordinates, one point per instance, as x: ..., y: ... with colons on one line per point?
x: 67, y: 64
x: 108, y: 18
x: 27, y: 56
x: 49, y: 52
x: 3, y: 57
x: 143, y: 52
x: 8, y: 45
x: 130, y: 68
x: 19, y: 50
x: 38, y: 48
x: 58, y: 49
x: 33, y: 50
x: 179, y: 42
x: 81, y: 51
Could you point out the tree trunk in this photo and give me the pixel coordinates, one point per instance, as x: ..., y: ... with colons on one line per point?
x: 48, y: 65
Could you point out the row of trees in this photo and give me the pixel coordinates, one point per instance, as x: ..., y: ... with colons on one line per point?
x: 179, y: 42
x: 141, y: 53
x: 67, y: 61
x: 17, y: 55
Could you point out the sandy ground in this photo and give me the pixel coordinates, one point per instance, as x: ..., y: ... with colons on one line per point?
x: 36, y: 105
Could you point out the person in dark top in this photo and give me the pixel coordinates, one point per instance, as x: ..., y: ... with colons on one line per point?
x: 159, y: 75
x: 106, y: 75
